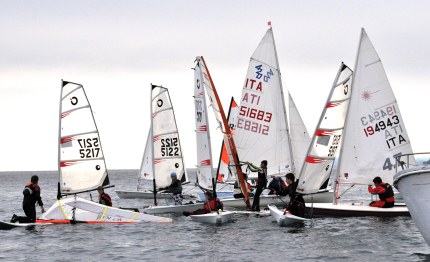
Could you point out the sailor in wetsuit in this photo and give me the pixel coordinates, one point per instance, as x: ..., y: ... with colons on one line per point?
x: 31, y: 197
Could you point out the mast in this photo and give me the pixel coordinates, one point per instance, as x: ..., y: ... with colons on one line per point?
x: 59, y: 140
x: 283, y: 102
x: 152, y: 147
x: 223, y: 144
x: 229, y: 137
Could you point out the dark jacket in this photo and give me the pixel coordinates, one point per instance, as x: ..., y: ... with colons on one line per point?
x: 32, y: 195
x: 105, y: 199
x: 175, y: 187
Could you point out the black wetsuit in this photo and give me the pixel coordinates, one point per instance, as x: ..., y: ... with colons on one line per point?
x: 31, y: 196
x: 297, y: 204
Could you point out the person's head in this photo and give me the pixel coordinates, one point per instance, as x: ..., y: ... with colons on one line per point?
x: 289, y: 178
x: 34, y: 179
x: 101, y: 190
x: 377, y: 180
x: 208, y: 195
x: 276, y: 178
x: 263, y: 164
x: 174, y: 176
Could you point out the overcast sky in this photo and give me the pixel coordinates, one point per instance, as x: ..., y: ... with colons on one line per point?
x: 117, y: 48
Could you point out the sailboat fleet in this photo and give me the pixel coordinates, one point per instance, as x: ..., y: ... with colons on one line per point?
x: 360, y: 130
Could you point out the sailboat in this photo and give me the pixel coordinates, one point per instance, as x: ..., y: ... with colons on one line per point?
x: 263, y: 131
x: 82, y: 167
x: 168, y: 156
x: 413, y: 183
x: 374, y: 135
x: 325, y: 142
x: 223, y: 125
x: 206, y: 178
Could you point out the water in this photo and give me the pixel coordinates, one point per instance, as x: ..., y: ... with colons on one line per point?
x: 247, y: 238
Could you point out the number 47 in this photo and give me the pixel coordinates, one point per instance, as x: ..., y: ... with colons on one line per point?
x: 388, y: 165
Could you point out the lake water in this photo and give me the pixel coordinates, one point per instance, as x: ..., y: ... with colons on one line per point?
x: 247, y: 238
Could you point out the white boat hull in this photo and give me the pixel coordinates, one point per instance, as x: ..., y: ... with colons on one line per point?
x: 86, y: 210
x: 285, y: 219
x: 353, y: 210
x: 414, y: 185
x: 214, y: 218
x: 148, y: 195
x: 265, y: 200
x: 172, y: 209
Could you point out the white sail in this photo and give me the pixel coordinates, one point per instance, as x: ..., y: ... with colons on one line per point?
x: 300, y: 139
x: 374, y: 130
x: 221, y: 119
x: 262, y: 129
x: 205, y: 175
x: 327, y: 137
x: 146, y: 171
x: 167, y: 152
x: 81, y: 161
x: 224, y: 175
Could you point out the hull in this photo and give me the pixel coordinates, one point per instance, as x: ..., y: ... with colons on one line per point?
x: 4, y: 225
x: 322, y: 197
x: 285, y: 219
x: 414, y: 185
x: 147, y: 195
x: 90, y: 212
x: 214, y: 218
x: 172, y: 209
x: 353, y: 210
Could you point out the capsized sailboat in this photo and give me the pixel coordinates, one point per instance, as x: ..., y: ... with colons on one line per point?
x: 167, y: 157
x: 82, y: 167
x: 374, y: 134
x: 413, y: 182
x: 263, y: 131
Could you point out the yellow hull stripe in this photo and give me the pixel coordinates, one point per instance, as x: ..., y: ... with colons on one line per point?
x: 104, y: 212
x: 133, y: 217
x: 62, y: 209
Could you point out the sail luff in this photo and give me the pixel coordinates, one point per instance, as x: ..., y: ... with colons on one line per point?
x: 290, y: 151
x: 154, y: 183
x: 229, y: 139
x: 59, y: 141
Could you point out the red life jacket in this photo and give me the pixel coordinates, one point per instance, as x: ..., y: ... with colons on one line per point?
x: 212, y: 205
x: 105, y: 199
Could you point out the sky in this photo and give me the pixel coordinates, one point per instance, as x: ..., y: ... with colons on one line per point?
x: 116, y: 49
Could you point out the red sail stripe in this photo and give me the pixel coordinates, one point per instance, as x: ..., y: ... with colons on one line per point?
x: 329, y: 105
x: 203, y: 128
x: 156, y: 138
x: 324, y: 133
x: 206, y: 162
x: 67, y: 139
x: 63, y: 115
x: 68, y: 163
x: 313, y: 160
x: 158, y: 161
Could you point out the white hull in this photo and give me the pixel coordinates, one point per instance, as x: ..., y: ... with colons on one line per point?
x: 353, y: 210
x: 172, y: 209
x: 148, y: 195
x: 214, y: 217
x: 285, y: 219
x: 91, y: 211
x: 265, y: 200
x: 414, y: 185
